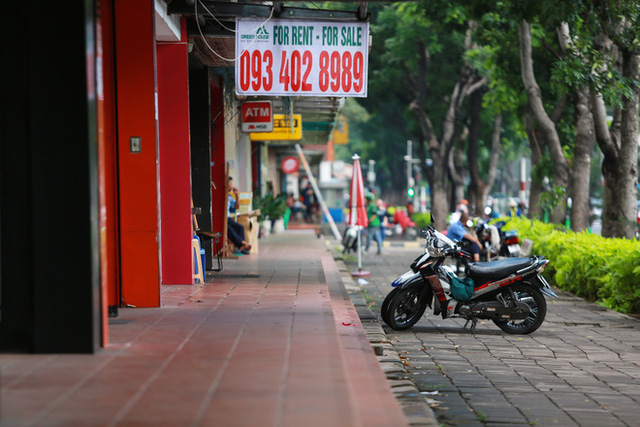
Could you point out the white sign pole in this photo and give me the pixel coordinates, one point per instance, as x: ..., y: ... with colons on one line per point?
x: 359, y: 248
x: 323, y: 205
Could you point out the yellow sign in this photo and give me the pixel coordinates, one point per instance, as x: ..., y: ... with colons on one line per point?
x: 282, y: 130
x: 341, y: 131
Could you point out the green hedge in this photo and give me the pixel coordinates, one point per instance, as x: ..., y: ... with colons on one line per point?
x: 604, y: 270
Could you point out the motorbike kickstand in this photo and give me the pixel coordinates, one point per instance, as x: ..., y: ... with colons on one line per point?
x: 474, y: 322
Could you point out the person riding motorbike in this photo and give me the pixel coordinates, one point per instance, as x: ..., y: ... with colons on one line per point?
x: 458, y: 231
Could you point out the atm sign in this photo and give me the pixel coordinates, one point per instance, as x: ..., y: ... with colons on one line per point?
x: 257, y: 116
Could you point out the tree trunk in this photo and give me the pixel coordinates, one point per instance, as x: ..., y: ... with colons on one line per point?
x: 547, y: 126
x: 456, y: 169
x: 611, y: 197
x: 619, y: 146
x: 584, y: 140
x: 628, y: 164
x: 477, y: 185
x: 438, y: 171
x: 610, y: 146
x: 441, y: 149
x: 581, y: 171
x: 537, y: 186
x: 496, y: 147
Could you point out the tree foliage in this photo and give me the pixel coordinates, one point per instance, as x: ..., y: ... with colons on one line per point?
x: 425, y: 54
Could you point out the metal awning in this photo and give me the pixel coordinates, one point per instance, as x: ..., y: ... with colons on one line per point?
x: 211, y: 30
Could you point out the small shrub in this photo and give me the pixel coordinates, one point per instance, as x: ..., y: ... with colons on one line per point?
x: 422, y: 219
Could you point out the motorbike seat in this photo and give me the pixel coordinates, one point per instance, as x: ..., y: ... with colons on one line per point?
x: 487, y: 271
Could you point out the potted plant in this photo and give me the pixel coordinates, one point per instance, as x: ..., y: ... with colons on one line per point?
x: 272, y: 209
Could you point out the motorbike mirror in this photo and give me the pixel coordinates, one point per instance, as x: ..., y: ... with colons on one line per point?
x: 433, y: 221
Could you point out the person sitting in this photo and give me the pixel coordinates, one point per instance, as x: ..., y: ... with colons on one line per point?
x: 235, y: 231
x: 463, y: 206
x: 457, y: 232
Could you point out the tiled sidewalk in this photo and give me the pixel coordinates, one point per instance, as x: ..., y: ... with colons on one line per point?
x: 272, y: 340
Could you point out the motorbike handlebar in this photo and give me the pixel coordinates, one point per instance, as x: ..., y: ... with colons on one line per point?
x: 461, y: 254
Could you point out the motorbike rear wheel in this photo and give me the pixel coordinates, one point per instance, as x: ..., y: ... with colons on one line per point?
x: 537, y: 305
x: 384, y: 308
x: 405, y: 309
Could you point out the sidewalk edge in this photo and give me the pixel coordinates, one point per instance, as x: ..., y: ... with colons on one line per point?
x: 413, y: 404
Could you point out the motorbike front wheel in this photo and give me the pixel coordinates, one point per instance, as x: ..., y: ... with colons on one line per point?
x: 384, y: 308
x: 405, y: 309
x: 537, y: 306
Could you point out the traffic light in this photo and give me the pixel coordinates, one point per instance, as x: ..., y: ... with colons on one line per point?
x: 411, y: 192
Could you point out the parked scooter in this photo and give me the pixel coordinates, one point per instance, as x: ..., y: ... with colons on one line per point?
x: 510, y: 292
x: 509, y: 241
x: 350, y: 240
x: 402, y: 226
x: 495, y: 242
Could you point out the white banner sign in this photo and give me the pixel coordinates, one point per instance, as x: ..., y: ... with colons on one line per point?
x: 304, y: 58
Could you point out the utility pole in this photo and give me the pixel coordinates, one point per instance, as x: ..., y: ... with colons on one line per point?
x: 523, y: 180
x: 371, y: 174
x: 410, y: 181
x: 409, y: 165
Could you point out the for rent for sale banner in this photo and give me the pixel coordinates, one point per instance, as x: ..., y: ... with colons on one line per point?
x: 304, y: 58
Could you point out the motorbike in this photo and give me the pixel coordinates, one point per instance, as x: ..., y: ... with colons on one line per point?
x: 509, y: 243
x: 496, y: 242
x: 350, y: 239
x: 510, y: 292
x: 402, y: 226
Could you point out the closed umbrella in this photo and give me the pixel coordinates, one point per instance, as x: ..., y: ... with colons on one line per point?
x: 358, y: 210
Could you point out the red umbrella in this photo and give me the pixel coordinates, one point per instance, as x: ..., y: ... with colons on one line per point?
x: 358, y: 209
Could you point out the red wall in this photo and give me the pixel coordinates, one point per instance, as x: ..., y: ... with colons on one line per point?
x: 175, y: 163
x: 107, y: 165
x: 138, y: 184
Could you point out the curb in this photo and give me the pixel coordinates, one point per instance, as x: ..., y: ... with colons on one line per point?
x: 414, y: 405
x: 400, y: 244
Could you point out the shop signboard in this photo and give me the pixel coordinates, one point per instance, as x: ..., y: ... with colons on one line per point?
x: 285, y: 128
x: 285, y: 57
x: 290, y: 165
x: 341, y: 131
x: 257, y: 116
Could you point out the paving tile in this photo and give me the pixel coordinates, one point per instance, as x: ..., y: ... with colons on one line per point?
x: 261, y: 343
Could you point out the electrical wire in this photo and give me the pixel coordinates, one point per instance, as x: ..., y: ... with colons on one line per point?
x: 237, y: 112
x: 230, y: 29
x: 207, y: 43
